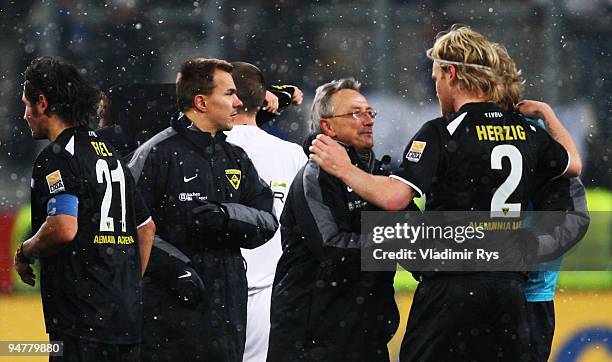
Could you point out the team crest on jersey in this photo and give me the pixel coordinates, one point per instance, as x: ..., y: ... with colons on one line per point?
x: 233, y: 176
x: 416, y: 151
x: 55, y: 182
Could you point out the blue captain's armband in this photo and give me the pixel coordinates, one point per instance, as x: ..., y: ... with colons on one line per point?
x: 63, y: 204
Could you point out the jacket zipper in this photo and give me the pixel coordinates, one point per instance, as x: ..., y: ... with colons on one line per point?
x: 212, y: 155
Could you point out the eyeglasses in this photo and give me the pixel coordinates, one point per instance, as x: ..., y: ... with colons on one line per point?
x: 358, y: 114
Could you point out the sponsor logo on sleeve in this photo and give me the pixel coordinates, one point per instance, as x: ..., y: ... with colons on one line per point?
x: 233, y: 176
x: 416, y: 151
x: 55, y: 182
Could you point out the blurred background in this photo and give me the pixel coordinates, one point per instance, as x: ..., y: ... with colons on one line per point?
x: 564, y: 48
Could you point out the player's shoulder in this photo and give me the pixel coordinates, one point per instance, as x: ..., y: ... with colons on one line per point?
x: 285, y: 149
x: 162, y: 139
x: 65, y: 146
x: 433, y: 127
x: 288, y: 147
x: 274, y: 140
x: 437, y: 123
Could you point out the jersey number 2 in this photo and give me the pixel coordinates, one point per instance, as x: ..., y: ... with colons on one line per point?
x: 499, y: 206
x: 104, y: 174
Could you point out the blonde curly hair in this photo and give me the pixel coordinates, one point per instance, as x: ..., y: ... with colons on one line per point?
x: 511, y: 79
x: 482, y: 66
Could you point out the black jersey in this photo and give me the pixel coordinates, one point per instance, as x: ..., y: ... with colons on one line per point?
x: 91, y: 288
x: 480, y: 159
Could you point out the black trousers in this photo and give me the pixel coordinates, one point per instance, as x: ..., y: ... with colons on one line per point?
x: 81, y: 350
x: 479, y: 317
x: 541, y: 329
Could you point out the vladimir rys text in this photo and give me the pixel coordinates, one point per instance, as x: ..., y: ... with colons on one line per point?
x: 432, y: 254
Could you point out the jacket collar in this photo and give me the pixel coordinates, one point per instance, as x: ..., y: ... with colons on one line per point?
x: 202, y: 140
x: 480, y: 106
x: 366, y: 164
x: 352, y: 152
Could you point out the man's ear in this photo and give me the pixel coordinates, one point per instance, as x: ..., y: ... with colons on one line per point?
x: 199, y: 102
x: 452, y: 73
x: 326, y: 127
x: 42, y: 104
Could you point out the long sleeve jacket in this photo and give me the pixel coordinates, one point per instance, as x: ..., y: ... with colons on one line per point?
x: 176, y: 170
x: 323, y: 306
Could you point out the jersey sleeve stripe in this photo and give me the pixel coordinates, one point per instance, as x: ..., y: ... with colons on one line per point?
x: 566, y: 166
x: 413, y: 186
x: 452, y: 127
x: 70, y: 146
x: 144, y: 222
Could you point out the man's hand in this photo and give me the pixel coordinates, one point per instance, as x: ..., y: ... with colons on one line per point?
x: 533, y: 108
x: 330, y: 156
x: 210, y: 217
x: 23, y: 268
x: 556, y: 129
x: 271, y: 102
x: 298, y: 96
x: 189, y: 287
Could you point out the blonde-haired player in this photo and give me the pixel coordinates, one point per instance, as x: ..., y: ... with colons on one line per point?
x: 462, y: 161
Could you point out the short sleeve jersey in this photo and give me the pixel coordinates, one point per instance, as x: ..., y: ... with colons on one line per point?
x: 91, y: 288
x: 480, y: 159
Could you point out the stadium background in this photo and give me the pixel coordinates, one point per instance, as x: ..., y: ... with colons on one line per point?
x: 562, y: 46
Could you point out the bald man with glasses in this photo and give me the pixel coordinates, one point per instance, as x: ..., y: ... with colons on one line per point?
x: 324, y: 308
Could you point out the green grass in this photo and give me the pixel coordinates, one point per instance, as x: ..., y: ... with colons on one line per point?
x: 585, y: 280
x: 568, y: 280
x: 404, y: 282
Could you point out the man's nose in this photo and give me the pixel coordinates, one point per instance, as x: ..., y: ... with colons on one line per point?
x: 367, y: 119
x: 237, y: 102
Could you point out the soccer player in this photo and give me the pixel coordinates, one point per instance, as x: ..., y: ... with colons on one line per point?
x: 462, y: 162
x: 92, y: 237
x: 277, y: 162
x: 566, y: 224
x: 324, y: 308
x: 208, y: 201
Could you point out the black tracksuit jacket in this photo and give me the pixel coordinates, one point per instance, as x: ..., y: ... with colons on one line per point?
x: 324, y: 308
x: 174, y: 170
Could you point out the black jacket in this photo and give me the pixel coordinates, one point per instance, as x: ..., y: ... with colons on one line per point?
x: 175, y: 170
x: 324, y: 307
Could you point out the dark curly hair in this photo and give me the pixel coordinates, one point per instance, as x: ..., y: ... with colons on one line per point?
x: 70, y: 95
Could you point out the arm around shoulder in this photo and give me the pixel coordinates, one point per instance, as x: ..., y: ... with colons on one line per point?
x: 556, y: 129
x: 385, y: 192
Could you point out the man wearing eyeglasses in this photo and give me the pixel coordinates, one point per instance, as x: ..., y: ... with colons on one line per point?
x: 472, y: 315
x: 324, y: 307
